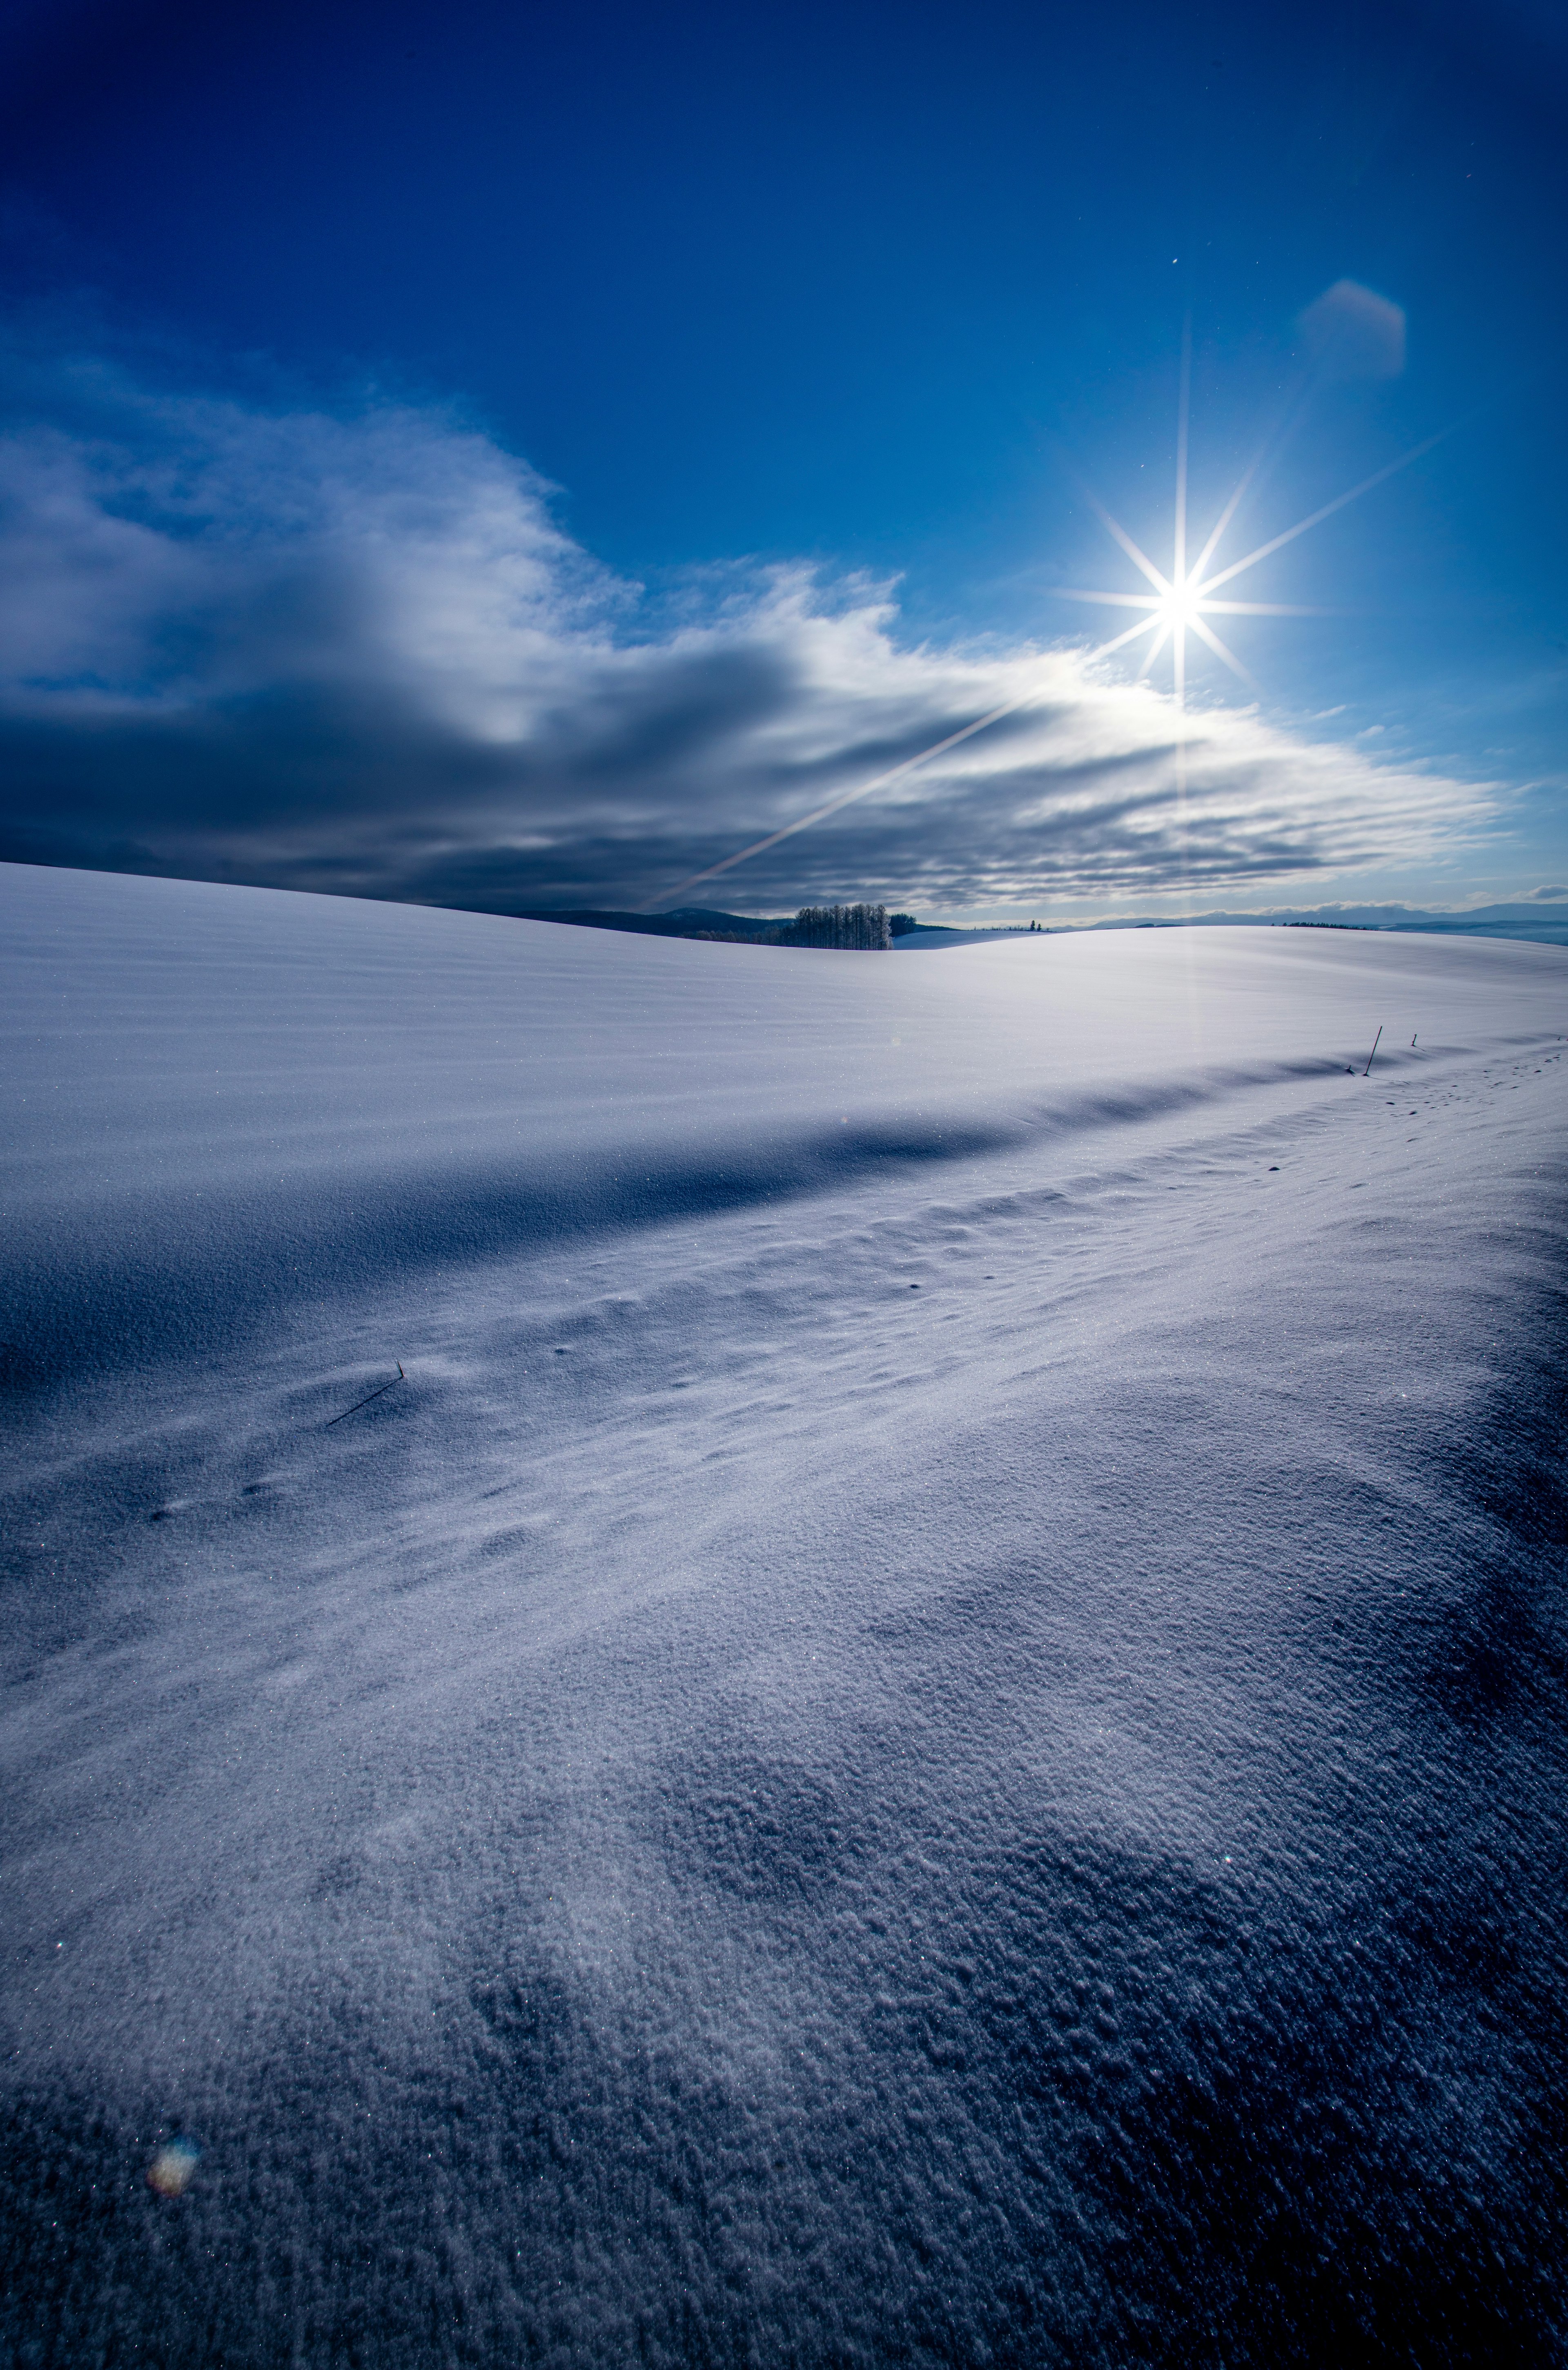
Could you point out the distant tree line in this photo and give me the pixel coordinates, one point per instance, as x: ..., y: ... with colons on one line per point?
x: 824, y: 925
x: 836, y: 926
x: 815, y: 925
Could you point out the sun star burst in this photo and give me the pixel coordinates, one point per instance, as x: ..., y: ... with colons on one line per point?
x: 1183, y: 598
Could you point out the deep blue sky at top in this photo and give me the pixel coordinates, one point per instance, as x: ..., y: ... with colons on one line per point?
x: 841, y: 280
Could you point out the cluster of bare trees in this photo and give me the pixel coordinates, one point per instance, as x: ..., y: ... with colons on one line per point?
x: 836, y: 926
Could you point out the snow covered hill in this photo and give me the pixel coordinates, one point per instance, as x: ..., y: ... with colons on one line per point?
x: 729, y: 1656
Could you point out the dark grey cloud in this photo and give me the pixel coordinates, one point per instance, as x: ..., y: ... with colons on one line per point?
x: 357, y: 653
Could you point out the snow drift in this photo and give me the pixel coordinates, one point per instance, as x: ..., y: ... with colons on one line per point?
x: 725, y: 1655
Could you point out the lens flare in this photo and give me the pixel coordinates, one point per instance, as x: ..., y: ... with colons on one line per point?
x: 172, y: 2169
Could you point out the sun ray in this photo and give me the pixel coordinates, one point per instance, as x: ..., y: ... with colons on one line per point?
x: 1261, y: 608
x: 1113, y: 527
x: 1155, y: 646
x: 1103, y: 648
x: 862, y: 790
x: 1183, y: 414
x: 1263, y: 462
x: 1327, y: 510
x: 1226, y: 515
x: 1111, y: 600
x: 1207, y: 634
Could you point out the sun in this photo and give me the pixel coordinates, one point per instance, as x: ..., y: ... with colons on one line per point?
x: 1179, y: 607
x: 1184, y: 598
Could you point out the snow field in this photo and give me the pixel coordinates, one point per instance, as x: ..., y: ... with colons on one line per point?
x: 928, y: 1729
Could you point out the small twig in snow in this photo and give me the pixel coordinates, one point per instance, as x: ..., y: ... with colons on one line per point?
x: 398, y: 1377
x: 1367, y: 1070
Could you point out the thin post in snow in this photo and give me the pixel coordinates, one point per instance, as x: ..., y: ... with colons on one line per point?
x: 398, y: 1377
x: 1367, y: 1070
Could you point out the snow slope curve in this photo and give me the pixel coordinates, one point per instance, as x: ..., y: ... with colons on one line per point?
x: 724, y: 1654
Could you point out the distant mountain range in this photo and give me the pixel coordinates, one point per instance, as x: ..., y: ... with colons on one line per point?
x: 1542, y: 923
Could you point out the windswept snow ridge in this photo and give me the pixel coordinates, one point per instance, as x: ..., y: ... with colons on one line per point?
x: 718, y: 1655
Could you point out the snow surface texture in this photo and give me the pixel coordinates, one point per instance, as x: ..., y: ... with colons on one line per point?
x: 927, y: 1730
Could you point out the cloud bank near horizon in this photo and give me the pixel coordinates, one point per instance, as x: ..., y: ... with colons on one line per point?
x: 357, y: 653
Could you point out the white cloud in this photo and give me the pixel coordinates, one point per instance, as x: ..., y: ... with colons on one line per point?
x: 356, y: 653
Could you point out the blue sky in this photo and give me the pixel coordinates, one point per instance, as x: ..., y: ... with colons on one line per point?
x: 505, y: 457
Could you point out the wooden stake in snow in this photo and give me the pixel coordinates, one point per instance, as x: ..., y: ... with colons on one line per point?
x: 1365, y: 1073
x: 398, y: 1377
